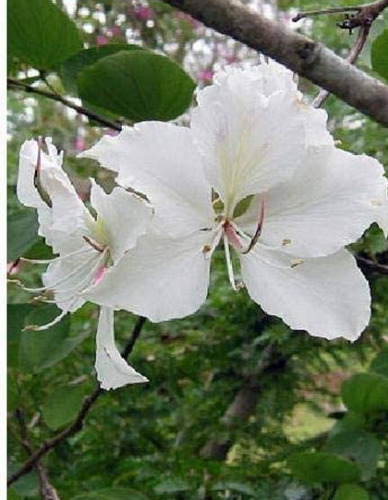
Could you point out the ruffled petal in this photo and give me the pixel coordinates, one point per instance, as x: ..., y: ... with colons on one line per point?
x: 112, y: 370
x: 122, y: 218
x: 328, y: 297
x: 249, y: 142
x: 161, y: 278
x: 330, y: 201
x: 160, y: 161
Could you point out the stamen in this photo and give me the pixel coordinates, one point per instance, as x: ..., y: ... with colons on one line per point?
x: 209, y: 249
x: 229, y: 264
x: 232, y: 235
x: 258, y: 229
x: 94, y: 244
x: 55, y: 259
x: 56, y: 320
x: 60, y: 282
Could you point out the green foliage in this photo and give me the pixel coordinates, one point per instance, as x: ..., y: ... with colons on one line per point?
x: 137, y: 85
x: 62, y: 406
x: 40, y: 34
x: 351, y: 492
x: 366, y: 393
x: 323, y: 467
x: 22, y: 232
x: 76, y: 63
x: 380, y: 54
x: 111, y: 494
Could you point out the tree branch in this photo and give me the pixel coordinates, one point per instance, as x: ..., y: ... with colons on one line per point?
x: 47, y: 490
x: 15, y: 84
x: 78, y: 422
x: 302, y: 55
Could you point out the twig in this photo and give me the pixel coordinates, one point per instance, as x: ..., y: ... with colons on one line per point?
x: 373, y: 266
x: 77, y: 424
x: 15, y: 84
x: 352, y: 58
x: 47, y: 490
x: 367, y: 10
x: 332, y: 10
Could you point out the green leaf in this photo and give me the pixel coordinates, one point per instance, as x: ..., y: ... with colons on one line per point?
x: 42, y: 349
x: 380, y: 54
x: 137, y: 85
x: 360, y: 447
x: 40, y: 34
x: 13, y: 495
x: 16, y: 314
x: 366, y: 393
x: 170, y: 486
x: 380, y: 363
x: 63, y: 405
x: 22, y: 232
x: 76, y: 63
x: 351, y: 422
x: 323, y: 467
x: 351, y: 492
x: 111, y: 494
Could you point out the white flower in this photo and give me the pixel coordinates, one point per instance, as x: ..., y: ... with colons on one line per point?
x: 87, y: 245
x: 259, y: 171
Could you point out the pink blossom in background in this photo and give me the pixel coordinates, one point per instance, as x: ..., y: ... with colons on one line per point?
x: 115, y: 31
x: 144, y: 13
x: 102, y: 40
x: 79, y: 144
x: 205, y: 75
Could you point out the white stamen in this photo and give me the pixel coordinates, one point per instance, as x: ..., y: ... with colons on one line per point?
x: 216, y: 240
x: 63, y: 280
x: 55, y: 259
x: 56, y: 320
x: 229, y: 264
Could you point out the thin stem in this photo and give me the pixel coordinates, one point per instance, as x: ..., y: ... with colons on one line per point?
x: 78, y: 422
x: 373, y: 266
x: 352, y: 58
x: 332, y: 10
x: 15, y: 84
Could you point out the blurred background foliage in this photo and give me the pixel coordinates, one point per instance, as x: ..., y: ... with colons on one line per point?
x: 239, y: 406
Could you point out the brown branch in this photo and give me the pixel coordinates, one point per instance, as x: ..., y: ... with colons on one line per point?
x: 243, y: 404
x: 15, y: 84
x: 47, y: 490
x: 78, y: 422
x: 302, y: 55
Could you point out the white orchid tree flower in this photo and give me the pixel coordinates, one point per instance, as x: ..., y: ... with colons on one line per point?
x: 86, y: 245
x: 259, y: 171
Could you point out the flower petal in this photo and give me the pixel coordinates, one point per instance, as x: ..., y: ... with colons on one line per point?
x: 328, y: 297
x: 112, y: 370
x: 159, y: 160
x: 122, y: 218
x: 161, y: 278
x: 249, y: 142
x: 331, y: 200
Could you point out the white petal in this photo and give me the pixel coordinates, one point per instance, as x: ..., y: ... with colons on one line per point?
x: 330, y: 201
x: 269, y: 78
x: 328, y: 297
x: 159, y: 160
x: 249, y: 142
x: 122, y: 218
x: 26, y: 190
x: 112, y: 370
x: 161, y: 278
